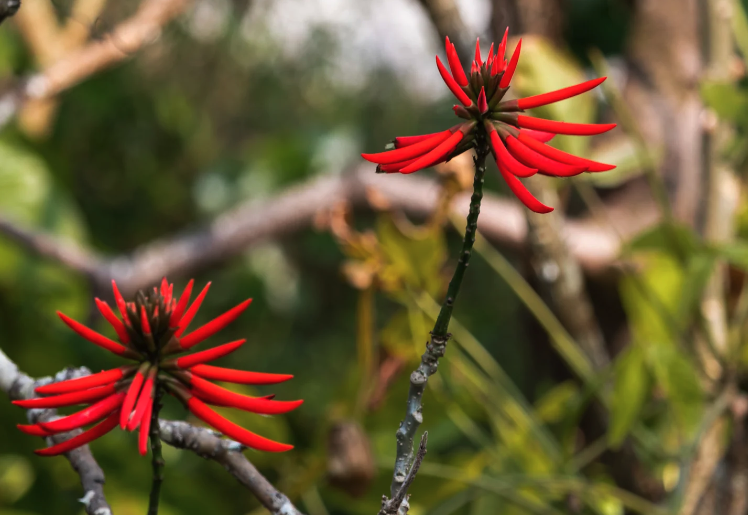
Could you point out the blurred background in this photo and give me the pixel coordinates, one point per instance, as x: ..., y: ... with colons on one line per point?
x: 598, y: 353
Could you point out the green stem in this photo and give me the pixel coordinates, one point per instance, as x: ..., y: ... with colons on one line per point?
x: 445, y: 314
x: 436, y: 347
x: 157, y: 459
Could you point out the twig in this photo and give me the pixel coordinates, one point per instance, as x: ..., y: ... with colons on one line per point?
x: 157, y: 459
x: 127, y: 38
x: 19, y: 386
x: 439, y: 336
x: 399, y: 502
x: 209, y: 445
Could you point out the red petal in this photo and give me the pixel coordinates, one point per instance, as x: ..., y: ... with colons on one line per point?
x: 521, y: 192
x: 543, y: 137
x: 68, y: 399
x: 409, y: 152
x: 34, y: 430
x: 245, y: 402
x: 145, y: 426
x: 82, y: 439
x: 83, y: 383
x: 145, y: 325
x: 452, y: 84
x: 455, y: 65
x: 501, y: 52
x: 503, y: 156
x: 436, y: 155
x: 573, y: 129
x: 120, y: 301
x: 192, y: 311
x: 129, y: 402
x: 489, y: 61
x: 544, y: 164
x: 232, y: 430
x: 176, y: 313
x: 238, y: 376
x: 86, y: 416
x: 396, y: 167
x: 209, y: 355
x: 477, y: 52
x: 164, y: 286
x: 507, y: 78
x: 406, y: 141
x: 558, y: 95
x: 92, y: 336
x: 482, y: 103
x: 561, y: 156
x: 212, y: 327
x: 146, y: 397
x: 115, y: 322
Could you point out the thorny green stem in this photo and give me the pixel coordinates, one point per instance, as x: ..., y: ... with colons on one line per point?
x: 439, y: 335
x: 157, y: 459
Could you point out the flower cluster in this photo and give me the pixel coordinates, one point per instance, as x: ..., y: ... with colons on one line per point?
x: 150, y: 332
x: 517, y: 141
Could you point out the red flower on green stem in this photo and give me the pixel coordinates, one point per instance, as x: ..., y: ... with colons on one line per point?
x: 517, y: 141
x: 151, y: 334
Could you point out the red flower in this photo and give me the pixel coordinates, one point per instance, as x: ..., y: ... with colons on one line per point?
x: 151, y: 330
x: 517, y: 141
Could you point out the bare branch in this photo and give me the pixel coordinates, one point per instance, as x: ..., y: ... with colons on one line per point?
x: 209, y: 445
x: 18, y: 386
x: 143, y: 28
x: 595, y: 246
x: 399, y: 503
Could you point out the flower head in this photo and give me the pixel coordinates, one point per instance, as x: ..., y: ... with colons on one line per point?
x: 516, y: 140
x: 151, y: 333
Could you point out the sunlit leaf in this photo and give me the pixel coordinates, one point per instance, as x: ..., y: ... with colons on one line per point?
x: 631, y: 389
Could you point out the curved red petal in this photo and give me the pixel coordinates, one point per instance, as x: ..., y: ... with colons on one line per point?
x: 544, y: 164
x: 455, y: 65
x: 558, y: 95
x: 130, y: 398
x: 521, y: 192
x: 83, y: 383
x: 406, y: 141
x: 146, y: 397
x: 82, y: 439
x: 511, y: 67
x: 241, y: 435
x: 209, y: 354
x: 176, y: 314
x: 145, y: 427
x: 561, y: 156
x: 34, y: 430
x: 68, y: 399
x: 452, y: 84
x: 116, y: 323
x: 572, y: 129
x: 245, y: 402
x: 206, y: 331
x: 120, y: 301
x: 503, y: 156
x: 86, y: 416
x: 92, y: 336
x: 436, y: 155
x: 409, y: 152
x: 192, y: 311
x: 477, y: 52
x: 238, y: 376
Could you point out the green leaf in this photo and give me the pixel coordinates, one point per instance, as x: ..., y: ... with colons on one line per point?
x: 729, y: 102
x: 675, y: 239
x: 16, y: 477
x: 631, y: 389
x: 557, y: 402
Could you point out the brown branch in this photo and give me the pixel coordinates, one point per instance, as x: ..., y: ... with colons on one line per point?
x: 143, y: 28
x: 595, y: 246
x: 228, y: 453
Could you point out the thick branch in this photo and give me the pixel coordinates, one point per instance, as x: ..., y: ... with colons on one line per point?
x: 595, y: 246
x: 210, y: 445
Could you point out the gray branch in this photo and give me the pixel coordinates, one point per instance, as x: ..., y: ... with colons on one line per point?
x: 19, y: 386
x: 398, y: 505
x: 228, y: 453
